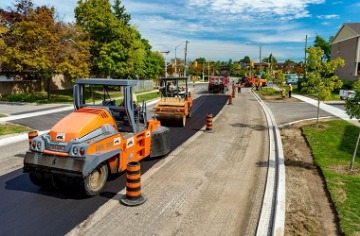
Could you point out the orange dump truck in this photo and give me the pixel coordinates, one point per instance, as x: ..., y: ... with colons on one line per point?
x: 99, y: 138
x: 175, y: 104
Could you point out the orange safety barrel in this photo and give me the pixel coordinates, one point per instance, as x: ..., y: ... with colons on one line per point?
x: 133, y: 195
x: 32, y: 135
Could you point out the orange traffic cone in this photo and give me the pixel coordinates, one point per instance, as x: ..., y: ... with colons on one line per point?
x: 230, y: 100
x: 133, y: 195
x: 209, y: 118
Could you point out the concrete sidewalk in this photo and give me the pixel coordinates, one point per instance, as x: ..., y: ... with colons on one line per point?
x: 328, y: 108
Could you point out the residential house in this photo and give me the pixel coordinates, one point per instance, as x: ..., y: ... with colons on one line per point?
x: 346, y: 44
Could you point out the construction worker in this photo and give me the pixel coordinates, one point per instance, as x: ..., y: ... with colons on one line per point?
x: 168, y: 87
x: 239, y: 87
x: 290, y: 90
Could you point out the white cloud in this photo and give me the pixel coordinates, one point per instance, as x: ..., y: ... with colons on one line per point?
x: 219, y: 29
x: 328, y: 17
x: 254, y: 10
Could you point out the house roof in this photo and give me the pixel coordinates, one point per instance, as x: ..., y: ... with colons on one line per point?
x: 346, y: 32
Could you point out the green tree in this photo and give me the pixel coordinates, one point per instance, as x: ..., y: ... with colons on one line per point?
x: 119, y: 12
x: 279, y: 78
x: 267, y: 74
x: 246, y: 59
x: 235, y: 69
x: 325, y: 46
x: 137, y: 56
x: 197, y: 70
x: 321, y: 79
x: 38, y: 47
x: 112, y: 38
x: 155, y: 65
x: 3, y: 30
x: 73, y: 57
x: 271, y: 60
x: 118, y: 49
x: 352, y: 107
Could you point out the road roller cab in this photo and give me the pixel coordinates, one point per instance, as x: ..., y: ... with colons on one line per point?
x: 106, y: 131
x: 175, y: 104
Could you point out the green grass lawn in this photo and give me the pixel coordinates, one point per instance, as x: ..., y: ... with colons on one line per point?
x: 13, y: 129
x: 269, y: 91
x: 148, y: 96
x: 332, y: 144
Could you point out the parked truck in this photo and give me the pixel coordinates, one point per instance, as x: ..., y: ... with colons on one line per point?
x: 105, y: 132
x: 175, y: 104
x: 346, y: 94
x: 218, y: 84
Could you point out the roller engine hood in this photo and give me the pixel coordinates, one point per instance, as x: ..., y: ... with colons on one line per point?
x: 79, y: 123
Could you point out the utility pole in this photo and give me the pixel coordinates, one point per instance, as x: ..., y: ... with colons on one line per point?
x: 208, y: 71
x: 165, y: 53
x: 176, y: 58
x: 260, y: 66
x: 203, y: 72
x: 185, y: 58
x: 305, y: 57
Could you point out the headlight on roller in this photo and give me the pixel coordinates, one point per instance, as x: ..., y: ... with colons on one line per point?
x: 75, y: 150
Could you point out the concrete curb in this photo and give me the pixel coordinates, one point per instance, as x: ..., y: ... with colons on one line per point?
x: 18, y: 138
x: 32, y: 114
x: 272, y: 217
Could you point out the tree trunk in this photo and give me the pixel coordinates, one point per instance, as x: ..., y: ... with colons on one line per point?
x: 48, y: 88
x: 317, y: 113
x: 42, y: 85
x: 354, y: 154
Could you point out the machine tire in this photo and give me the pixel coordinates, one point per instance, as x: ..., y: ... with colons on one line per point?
x: 35, y: 178
x: 95, y: 182
x: 183, y: 121
x: 41, y: 179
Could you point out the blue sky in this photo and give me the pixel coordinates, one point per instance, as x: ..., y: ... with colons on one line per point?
x: 230, y: 29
